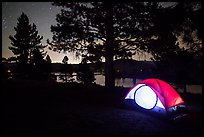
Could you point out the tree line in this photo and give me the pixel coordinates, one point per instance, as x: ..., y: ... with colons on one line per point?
x: 116, y: 30
x: 113, y: 30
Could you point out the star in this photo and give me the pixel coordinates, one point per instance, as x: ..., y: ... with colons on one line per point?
x: 6, y: 4
x: 4, y: 21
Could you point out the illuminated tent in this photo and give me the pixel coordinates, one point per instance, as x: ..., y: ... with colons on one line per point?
x: 154, y: 95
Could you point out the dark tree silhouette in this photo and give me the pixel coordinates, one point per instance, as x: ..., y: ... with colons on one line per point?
x: 37, y: 53
x: 102, y: 29
x: 67, y: 70
x: 170, y: 24
x: 37, y: 57
x: 48, y: 59
x: 65, y: 60
x: 25, y: 40
x: 84, y: 74
x: 26, y: 45
x: 12, y: 59
x: 48, y: 68
x: 21, y: 40
x: 178, y: 21
x: 3, y: 59
x: 38, y: 64
x: 191, y: 28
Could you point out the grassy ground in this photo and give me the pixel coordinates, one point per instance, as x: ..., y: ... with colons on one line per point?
x: 33, y: 107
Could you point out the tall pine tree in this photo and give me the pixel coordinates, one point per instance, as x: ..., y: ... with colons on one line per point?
x: 37, y: 53
x: 118, y: 30
x: 178, y: 22
x: 20, y: 42
x: 26, y: 45
x: 99, y: 30
x: 66, y: 70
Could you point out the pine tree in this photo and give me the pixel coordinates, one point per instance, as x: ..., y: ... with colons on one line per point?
x: 118, y: 30
x: 178, y: 64
x: 48, y: 59
x: 48, y: 68
x: 26, y: 45
x: 97, y: 30
x: 84, y: 74
x: 21, y: 40
x: 37, y: 53
x: 67, y: 70
x: 65, y: 60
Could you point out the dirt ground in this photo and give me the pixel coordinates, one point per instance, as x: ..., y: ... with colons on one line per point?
x: 41, y: 108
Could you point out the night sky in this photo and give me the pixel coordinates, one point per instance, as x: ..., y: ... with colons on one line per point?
x: 43, y: 14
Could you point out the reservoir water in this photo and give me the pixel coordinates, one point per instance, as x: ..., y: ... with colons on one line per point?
x: 128, y: 83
